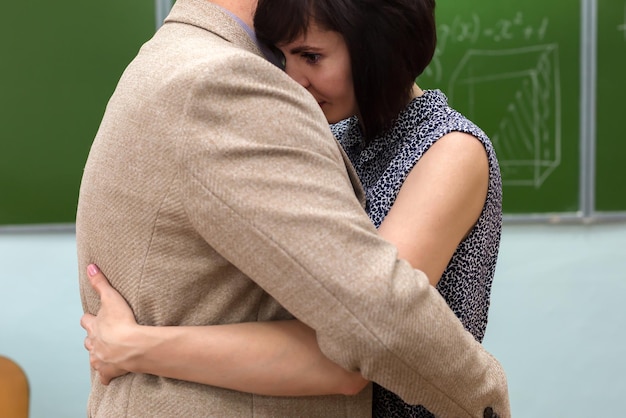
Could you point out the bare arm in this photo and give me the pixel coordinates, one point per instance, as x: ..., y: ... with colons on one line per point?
x: 438, y: 204
x: 279, y: 358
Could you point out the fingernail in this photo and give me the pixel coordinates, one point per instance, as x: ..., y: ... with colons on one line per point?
x: 92, y: 270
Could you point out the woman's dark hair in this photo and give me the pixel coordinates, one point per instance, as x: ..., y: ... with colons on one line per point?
x: 390, y: 44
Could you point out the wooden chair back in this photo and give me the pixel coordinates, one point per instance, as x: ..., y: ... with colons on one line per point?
x: 14, y: 390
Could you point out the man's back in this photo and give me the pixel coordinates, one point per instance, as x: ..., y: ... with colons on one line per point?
x: 133, y: 219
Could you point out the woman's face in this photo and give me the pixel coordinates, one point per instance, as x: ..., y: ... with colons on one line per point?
x: 320, y: 62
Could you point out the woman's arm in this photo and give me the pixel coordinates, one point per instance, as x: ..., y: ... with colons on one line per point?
x: 437, y: 206
x: 439, y: 203
x: 279, y: 358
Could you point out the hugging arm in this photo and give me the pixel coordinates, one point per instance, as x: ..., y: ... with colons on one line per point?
x: 282, y: 358
x: 278, y: 358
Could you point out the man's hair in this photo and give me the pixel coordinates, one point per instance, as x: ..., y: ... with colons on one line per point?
x: 390, y: 43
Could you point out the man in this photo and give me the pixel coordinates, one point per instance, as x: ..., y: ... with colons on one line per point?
x: 215, y: 193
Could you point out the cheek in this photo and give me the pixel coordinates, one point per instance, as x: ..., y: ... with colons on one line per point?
x: 350, y: 97
x: 341, y: 88
x: 347, y: 84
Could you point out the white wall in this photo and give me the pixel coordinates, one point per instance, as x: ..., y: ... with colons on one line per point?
x: 556, y: 322
x: 39, y: 321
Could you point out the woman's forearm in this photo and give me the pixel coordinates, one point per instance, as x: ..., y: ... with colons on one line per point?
x: 278, y: 358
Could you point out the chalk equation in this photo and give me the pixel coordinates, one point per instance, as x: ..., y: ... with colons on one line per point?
x: 472, y: 30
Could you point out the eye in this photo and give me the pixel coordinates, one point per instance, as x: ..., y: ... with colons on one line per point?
x: 311, y: 58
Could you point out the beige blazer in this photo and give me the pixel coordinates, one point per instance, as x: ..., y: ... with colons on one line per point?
x: 214, y: 193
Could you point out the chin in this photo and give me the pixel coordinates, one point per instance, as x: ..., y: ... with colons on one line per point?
x: 335, y: 118
x: 330, y: 118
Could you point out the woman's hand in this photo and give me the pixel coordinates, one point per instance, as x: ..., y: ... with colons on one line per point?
x: 109, y: 330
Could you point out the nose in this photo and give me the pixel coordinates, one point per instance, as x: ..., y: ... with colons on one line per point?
x: 293, y: 71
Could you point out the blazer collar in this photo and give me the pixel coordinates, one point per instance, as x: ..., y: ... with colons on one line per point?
x: 213, y: 18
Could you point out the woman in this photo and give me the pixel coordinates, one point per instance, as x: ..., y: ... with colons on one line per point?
x: 433, y: 189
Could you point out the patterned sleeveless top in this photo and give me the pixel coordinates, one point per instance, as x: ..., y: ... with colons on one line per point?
x: 384, y: 165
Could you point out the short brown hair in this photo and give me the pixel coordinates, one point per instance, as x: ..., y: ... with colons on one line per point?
x: 390, y: 43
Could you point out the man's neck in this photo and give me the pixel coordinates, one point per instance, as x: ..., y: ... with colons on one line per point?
x: 243, y: 9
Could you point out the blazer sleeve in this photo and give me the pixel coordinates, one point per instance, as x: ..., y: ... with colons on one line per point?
x: 265, y: 184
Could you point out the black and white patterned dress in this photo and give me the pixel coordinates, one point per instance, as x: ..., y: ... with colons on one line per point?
x: 384, y: 165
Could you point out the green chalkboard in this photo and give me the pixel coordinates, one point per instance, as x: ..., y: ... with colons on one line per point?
x: 611, y: 108
x: 60, y: 63
x: 513, y: 68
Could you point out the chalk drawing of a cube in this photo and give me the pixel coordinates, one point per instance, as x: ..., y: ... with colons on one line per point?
x: 514, y: 95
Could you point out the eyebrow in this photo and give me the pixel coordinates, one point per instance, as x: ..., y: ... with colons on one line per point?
x: 302, y: 48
